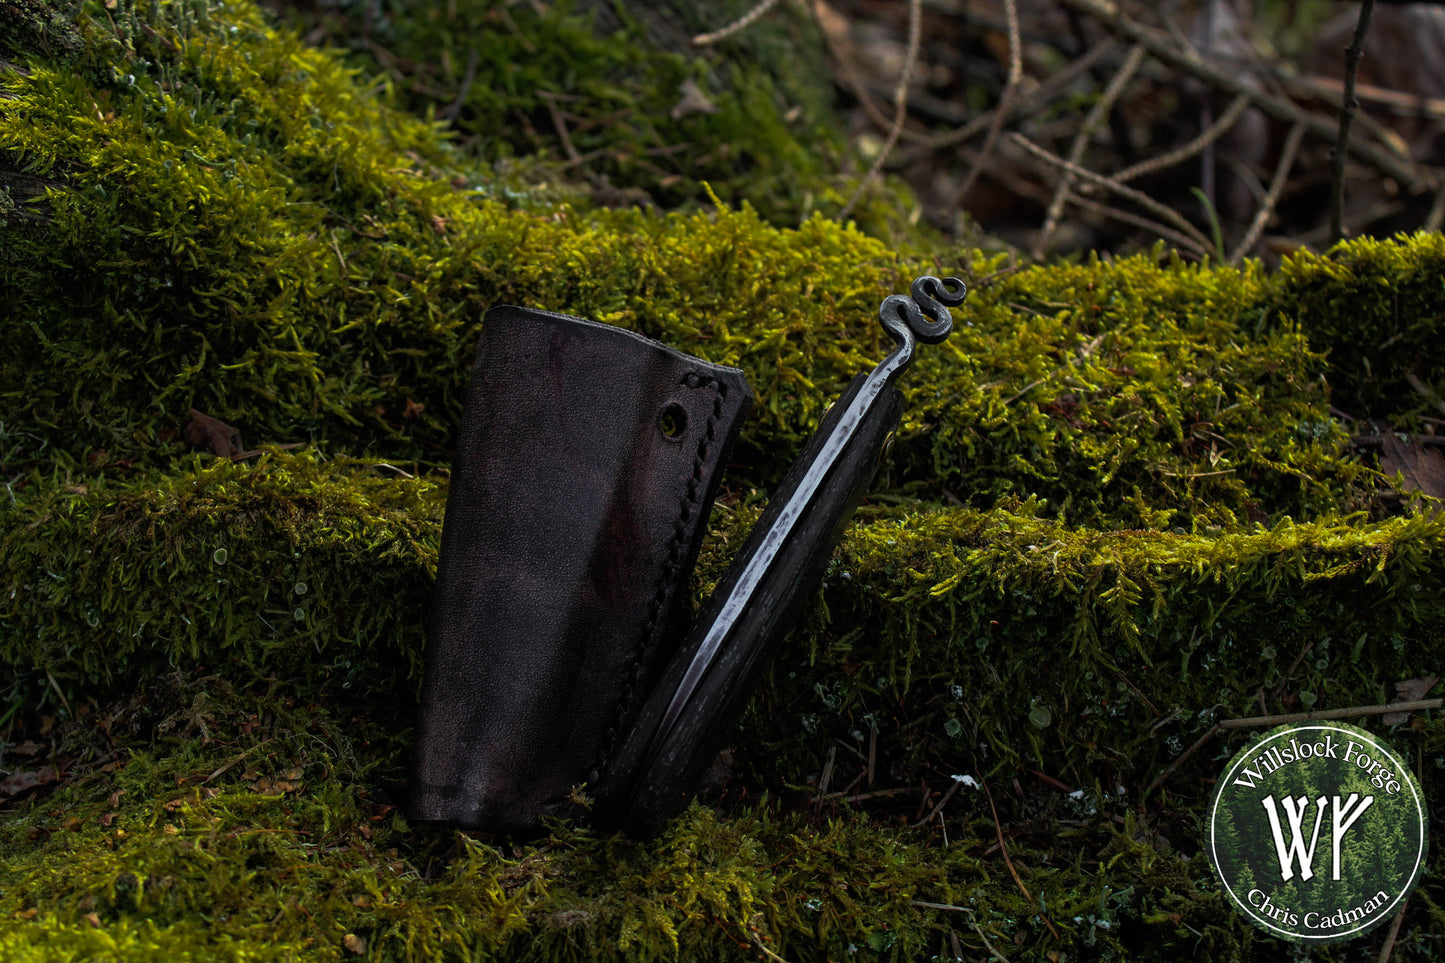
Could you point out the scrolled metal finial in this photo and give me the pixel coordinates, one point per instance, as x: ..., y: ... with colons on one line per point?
x: 901, y: 314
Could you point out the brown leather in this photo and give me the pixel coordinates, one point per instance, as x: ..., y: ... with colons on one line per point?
x: 586, y: 466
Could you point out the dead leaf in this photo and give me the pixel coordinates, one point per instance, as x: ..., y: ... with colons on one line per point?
x: 1423, y: 469
x: 18, y: 782
x: 107, y: 819
x: 1411, y: 690
x: 27, y: 914
x: 413, y: 409
x: 354, y: 943
x: 27, y: 748
x: 115, y: 798
x: 93, y: 919
x: 692, y: 101
x: 212, y: 434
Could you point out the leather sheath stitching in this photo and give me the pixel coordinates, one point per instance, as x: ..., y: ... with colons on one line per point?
x: 675, y: 549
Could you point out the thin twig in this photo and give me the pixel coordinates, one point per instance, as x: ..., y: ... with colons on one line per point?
x: 1128, y: 217
x: 1279, y: 689
x: 1218, y: 129
x: 933, y: 813
x: 1353, y: 54
x: 1159, y: 779
x: 1005, y: 103
x: 63, y: 701
x: 561, y: 127
x: 900, y: 104
x: 875, y: 794
x: 1271, y: 198
x: 1259, y: 722
x: 1096, y: 116
x: 737, y: 26
x: 827, y: 776
x: 1202, y: 243
x: 998, y: 828
x: 1331, y: 92
x: 1353, y: 712
x: 1414, y: 177
x: 872, y: 752
x: 850, y: 73
x: 972, y: 921
x: 1397, y: 102
x: 759, y: 938
x: 455, y: 108
x: 1388, y: 947
x: 1437, y: 213
x: 1423, y: 390
x: 1037, y: 98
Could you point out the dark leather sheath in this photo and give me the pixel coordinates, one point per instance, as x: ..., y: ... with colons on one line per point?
x: 586, y: 465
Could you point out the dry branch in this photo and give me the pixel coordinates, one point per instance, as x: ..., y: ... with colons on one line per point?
x: 1353, y: 54
x: 1091, y: 123
x: 737, y: 26
x: 1200, y: 243
x: 1010, y: 90
x: 1135, y: 220
x: 900, y: 105
x: 1276, y: 187
x: 1216, y: 130
x: 1411, y: 175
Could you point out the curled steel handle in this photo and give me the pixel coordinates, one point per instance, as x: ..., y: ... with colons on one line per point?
x: 922, y: 317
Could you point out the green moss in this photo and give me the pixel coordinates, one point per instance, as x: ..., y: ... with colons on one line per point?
x: 249, y: 233
x: 1375, y: 306
x: 615, y: 90
x: 996, y: 639
x: 1118, y: 510
x: 250, y: 824
x: 223, y: 565
x: 40, y: 27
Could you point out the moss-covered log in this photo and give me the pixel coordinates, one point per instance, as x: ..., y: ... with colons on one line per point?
x: 1120, y: 509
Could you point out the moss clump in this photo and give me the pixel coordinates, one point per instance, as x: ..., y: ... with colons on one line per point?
x: 953, y: 617
x: 1118, y: 511
x: 214, y: 822
x: 1376, y: 307
x: 599, y: 94
x: 28, y: 26
x: 223, y: 565
x: 243, y: 230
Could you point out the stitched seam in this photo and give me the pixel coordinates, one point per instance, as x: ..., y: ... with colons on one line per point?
x: 676, y: 546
